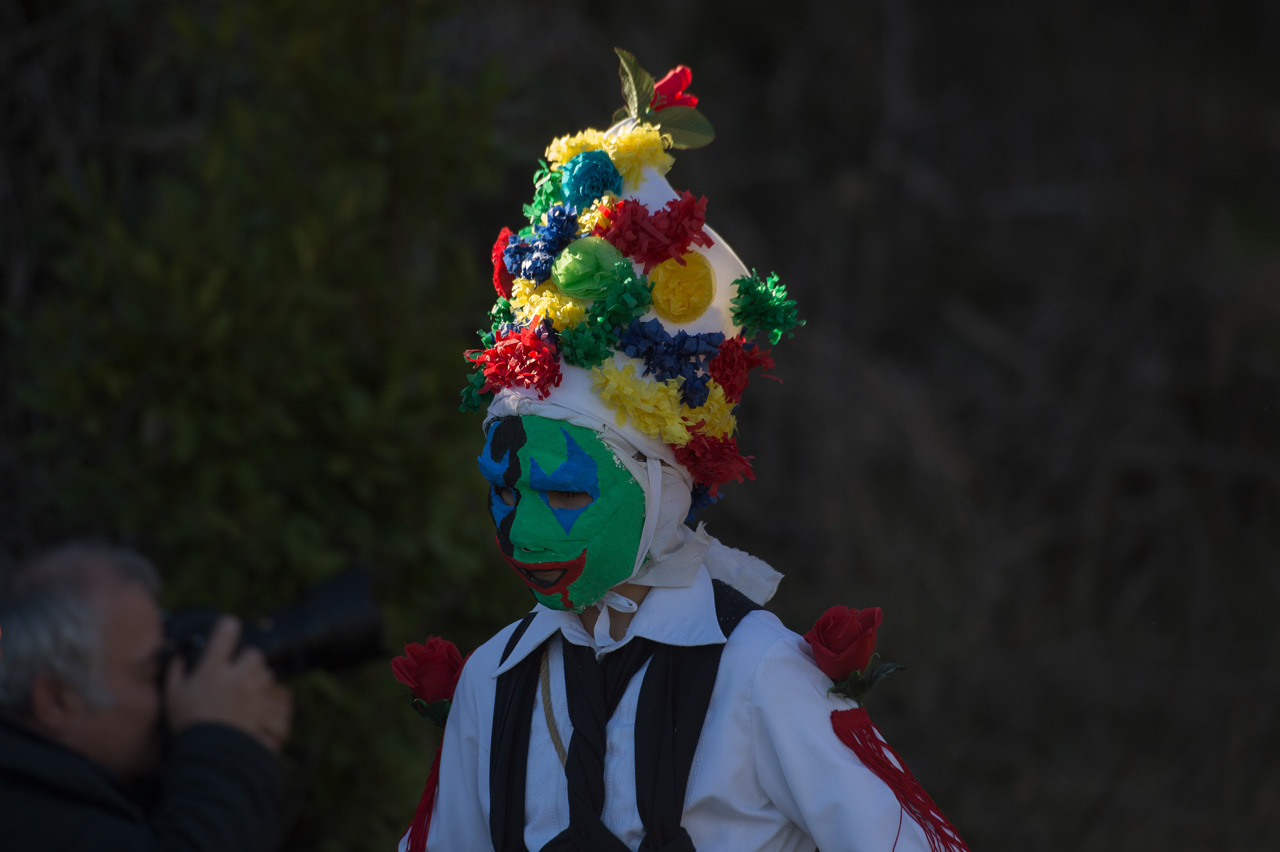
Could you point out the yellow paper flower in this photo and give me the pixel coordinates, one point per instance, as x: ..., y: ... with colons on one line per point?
x: 716, y: 414
x: 652, y: 407
x: 564, y: 149
x: 587, y: 219
x: 530, y: 300
x: 683, y: 293
x: 634, y: 149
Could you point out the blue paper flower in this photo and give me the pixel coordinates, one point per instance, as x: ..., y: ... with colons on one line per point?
x: 560, y: 230
x: 587, y: 177
x: 666, y: 357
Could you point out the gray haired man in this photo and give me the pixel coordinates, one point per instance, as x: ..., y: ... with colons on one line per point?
x: 86, y: 697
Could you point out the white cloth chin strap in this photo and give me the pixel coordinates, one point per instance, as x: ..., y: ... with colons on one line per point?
x: 611, y: 600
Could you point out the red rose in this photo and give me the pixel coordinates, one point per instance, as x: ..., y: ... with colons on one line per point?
x: 843, y: 640
x: 669, y: 91
x: 431, y: 671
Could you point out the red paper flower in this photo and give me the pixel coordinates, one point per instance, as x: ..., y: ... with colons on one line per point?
x: 714, y: 461
x: 651, y: 238
x: 732, y: 365
x: 501, y: 277
x: 669, y: 91
x: 843, y: 640
x: 519, y: 357
x: 430, y: 671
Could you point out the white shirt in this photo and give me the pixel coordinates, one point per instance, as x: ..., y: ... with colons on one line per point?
x: 769, y: 773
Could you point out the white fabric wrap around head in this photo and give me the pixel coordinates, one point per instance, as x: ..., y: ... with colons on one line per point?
x: 670, y: 553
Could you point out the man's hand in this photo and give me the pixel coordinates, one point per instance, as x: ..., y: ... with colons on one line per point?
x: 241, y: 692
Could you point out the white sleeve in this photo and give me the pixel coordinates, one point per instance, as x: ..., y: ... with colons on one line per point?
x: 810, y: 775
x: 459, y: 819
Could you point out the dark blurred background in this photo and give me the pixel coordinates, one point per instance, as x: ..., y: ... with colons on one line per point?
x: 1034, y: 415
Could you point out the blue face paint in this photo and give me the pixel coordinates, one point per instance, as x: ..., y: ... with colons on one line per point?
x: 578, y: 472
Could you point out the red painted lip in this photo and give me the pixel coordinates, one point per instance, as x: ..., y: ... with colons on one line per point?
x: 550, y: 578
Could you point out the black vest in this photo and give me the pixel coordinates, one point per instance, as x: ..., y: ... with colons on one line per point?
x: 672, y: 707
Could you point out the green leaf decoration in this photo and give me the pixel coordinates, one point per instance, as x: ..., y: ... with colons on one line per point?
x: 882, y: 670
x: 687, y: 127
x: 619, y: 114
x: 437, y: 712
x: 637, y: 84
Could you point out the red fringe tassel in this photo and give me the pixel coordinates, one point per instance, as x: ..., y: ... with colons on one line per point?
x: 422, y: 816
x: 855, y: 729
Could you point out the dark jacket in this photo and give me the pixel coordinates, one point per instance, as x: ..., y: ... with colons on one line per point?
x: 218, y: 791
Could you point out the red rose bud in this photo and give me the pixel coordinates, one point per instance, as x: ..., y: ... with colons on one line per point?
x: 843, y: 640
x: 430, y: 671
x: 669, y: 91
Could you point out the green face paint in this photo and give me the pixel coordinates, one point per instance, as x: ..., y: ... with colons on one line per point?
x: 569, y: 517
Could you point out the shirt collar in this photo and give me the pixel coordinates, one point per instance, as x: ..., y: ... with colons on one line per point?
x: 684, y: 616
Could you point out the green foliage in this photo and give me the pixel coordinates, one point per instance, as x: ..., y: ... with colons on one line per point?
x: 247, y: 367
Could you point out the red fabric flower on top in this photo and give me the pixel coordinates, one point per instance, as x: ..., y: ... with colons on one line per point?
x: 714, y: 461
x: 844, y: 639
x: 430, y: 671
x: 519, y: 357
x: 650, y: 238
x: 669, y: 91
x: 730, y: 368
x: 501, y: 277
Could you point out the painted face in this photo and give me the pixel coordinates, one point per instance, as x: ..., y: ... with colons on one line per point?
x: 569, y: 516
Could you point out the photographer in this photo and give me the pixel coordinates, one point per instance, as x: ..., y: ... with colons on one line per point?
x: 92, y: 713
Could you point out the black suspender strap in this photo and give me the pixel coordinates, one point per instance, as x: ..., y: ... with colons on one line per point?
x: 673, y: 703
x: 509, y: 745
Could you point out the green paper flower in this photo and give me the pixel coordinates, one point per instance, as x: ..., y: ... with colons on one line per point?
x: 586, y: 268
x: 762, y: 305
x: 586, y: 344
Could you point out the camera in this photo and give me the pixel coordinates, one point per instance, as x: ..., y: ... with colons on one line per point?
x: 336, y: 624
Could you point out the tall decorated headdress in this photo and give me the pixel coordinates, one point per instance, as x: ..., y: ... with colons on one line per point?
x: 618, y: 307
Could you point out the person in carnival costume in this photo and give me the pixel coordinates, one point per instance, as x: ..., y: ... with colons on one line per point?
x: 647, y: 702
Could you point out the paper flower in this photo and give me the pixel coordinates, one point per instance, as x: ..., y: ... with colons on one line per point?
x: 652, y: 407
x: 669, y: 91
x: 588, y: 176
x: 628, y: 299
x: 714, y: 417
x: 532, y: 302
x: 682, y: 292
x: 565, y: 148
x: 586, y: 344
x: 520, y: 357
x: 667, y: 356
x: 732, y: 364
x: 501, y: 275
x: 559, y: 228
x: 713, y: 461
x: 633, y: 150
x: 652, y: 238
x: 762, y: 305
x: 585, y: 269
x: 546, y: 192
x: 590, y: 218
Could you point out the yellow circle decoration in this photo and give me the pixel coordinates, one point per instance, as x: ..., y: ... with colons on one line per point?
x: 683, y: 293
